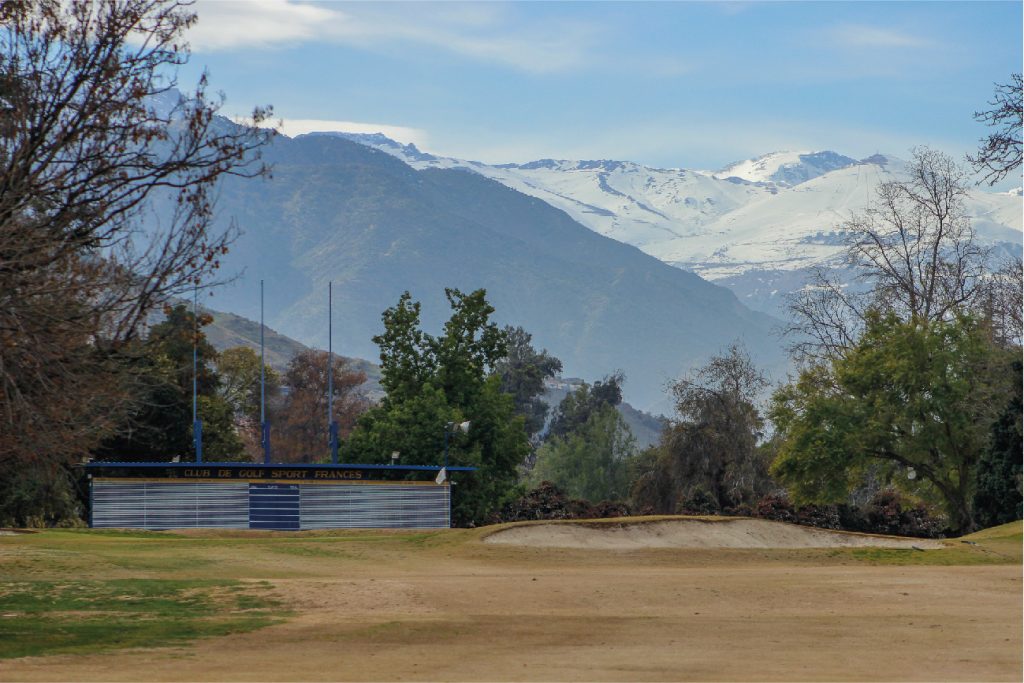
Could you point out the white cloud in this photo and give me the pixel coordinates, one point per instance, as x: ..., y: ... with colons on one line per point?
x: 863, y: 35
x: 227, y: 24
x: 488, y: 32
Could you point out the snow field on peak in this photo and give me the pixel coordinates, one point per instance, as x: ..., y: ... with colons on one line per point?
x: 786, y: 168
x: 779, y: 212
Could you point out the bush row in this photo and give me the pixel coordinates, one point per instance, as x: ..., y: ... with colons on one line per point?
x: 886, y: 513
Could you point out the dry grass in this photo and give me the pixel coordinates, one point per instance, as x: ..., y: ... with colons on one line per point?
x: 370, y: 605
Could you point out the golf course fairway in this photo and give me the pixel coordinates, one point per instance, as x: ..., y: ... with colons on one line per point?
x: 463, y: 604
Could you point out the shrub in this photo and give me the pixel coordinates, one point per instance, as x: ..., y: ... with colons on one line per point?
x: 775, y: 507
x: 700, y: 502
x: 888, y: 512
x: 547, y: 501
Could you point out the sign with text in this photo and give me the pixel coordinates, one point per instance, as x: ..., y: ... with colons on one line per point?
x: 264, y: 473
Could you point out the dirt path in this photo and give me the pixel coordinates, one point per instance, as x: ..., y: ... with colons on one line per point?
x: 507, y: 614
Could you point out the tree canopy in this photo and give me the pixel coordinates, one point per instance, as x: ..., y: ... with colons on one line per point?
x: 593, y: 462
x: 709, y: 457
x: 579, y: 404
x: 916, y: 397
x: 300, y: 423
x: 915, y: 254
x: 433, y: 381
x: 92, y: 130
x: 160, y: 427
x: 522, y: 372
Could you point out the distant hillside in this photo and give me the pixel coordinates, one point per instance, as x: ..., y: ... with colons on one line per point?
x: 759, y: 227
x: 229, y: 330
x: 342, y: 212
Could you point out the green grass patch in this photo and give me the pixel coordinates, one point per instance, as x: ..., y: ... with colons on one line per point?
x: 55, y: 617
x: 1013, y: 531
x: 905, y: 556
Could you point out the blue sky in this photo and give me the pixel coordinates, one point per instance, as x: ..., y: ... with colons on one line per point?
x: 695, y: 85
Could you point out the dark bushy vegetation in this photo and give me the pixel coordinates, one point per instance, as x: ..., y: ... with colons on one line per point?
x: 888, y: 512
x: 547, y: 501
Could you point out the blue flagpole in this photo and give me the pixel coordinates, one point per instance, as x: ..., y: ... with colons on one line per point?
x: 197, y: 425
x: 264, y: 425
x: 332, y: 426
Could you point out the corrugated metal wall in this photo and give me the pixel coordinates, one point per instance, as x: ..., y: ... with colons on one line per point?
x: 376, y: 506
x: 244, y: 505
x: 170, y: 505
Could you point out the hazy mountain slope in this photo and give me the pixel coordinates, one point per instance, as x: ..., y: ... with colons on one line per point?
x: 758, y: 226
x: 650, y: 208
x: 229, y: 330
x: 340, y: 211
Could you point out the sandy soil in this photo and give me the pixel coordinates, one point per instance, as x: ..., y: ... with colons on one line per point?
x: 465, y: 611
x: 695, y: 533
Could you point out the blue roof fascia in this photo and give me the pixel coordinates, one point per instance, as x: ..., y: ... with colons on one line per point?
x: 297, y: 466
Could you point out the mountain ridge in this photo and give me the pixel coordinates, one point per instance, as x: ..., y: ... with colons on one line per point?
x: 760, y: 234
x: 344, y: 212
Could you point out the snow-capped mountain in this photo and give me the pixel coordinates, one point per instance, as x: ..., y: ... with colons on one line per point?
x: 756, y: 226
x: 786, y: 168
x: 649, y: 208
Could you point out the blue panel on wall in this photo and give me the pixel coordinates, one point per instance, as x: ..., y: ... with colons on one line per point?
x: 274, y: 506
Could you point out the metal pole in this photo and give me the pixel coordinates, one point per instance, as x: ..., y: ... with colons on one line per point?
x: 447, y: 431
x: 197, y: 425
x: 332, y: 426
x: 264, y: 426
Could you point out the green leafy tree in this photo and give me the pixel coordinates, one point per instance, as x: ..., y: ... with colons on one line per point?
x: 577, y: 407
x: 522, y: 373
x: 997, y: 499
x: 592, y: 462
x: 916, y: 399
x: 239, y: 371
x: 161, y: 426
x: 221, y: 442
x: 432, y: 381
x: 709, y: 458
x: 414, y: 427
x: 407, y: 360
x: 469, y: 349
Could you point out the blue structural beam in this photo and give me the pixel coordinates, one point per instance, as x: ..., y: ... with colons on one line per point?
x: 279, y: 466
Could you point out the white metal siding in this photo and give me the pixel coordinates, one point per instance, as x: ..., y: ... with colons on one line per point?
x: 336, y: 506
x: 170, y: 505
x: 215, y: 505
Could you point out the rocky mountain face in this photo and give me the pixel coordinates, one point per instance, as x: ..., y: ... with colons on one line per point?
x: 757, y: 226
x: 344, y: 212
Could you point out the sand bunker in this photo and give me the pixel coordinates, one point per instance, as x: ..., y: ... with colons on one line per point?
x: 693, y: 533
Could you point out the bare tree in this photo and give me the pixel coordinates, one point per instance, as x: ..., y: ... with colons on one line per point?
x: 1000, y: 152
x: 92, y: 129
x: 914, y: 252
